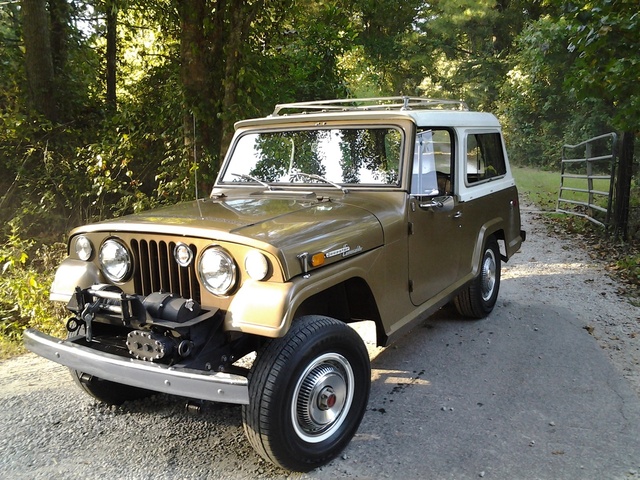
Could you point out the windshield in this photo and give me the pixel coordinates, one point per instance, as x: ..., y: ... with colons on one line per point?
x: 346, y: 156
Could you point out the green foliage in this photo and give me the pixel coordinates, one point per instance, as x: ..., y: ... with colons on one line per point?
x: 538, y: 113
x: 386, y: 42
x: 41, y: 182
x: 629, y: 266
x: 297, y: 57
x: 26, y: 273
x: 532, y: 92
x: 605, y: 39
x: 464, y: 47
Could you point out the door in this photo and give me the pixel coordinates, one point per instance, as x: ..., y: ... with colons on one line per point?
x: 435, y: 216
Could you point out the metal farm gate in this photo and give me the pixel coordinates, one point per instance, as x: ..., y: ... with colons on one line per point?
x: 587, y: 178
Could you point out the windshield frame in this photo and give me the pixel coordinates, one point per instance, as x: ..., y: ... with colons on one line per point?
x: 227, y: 169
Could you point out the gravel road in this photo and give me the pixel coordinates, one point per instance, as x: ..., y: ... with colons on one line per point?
x: 547, y: 387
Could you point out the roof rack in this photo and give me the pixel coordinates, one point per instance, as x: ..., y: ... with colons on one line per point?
x: 367, y: 104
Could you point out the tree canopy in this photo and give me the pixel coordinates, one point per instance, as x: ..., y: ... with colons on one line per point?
x: 112, y: 106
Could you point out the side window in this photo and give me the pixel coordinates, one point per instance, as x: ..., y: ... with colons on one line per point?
x: 431, y: 174
x: 485, y: 157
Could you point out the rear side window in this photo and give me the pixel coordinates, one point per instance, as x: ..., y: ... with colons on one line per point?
x: 485, y: 157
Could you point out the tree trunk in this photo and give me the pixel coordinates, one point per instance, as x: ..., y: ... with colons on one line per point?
x: 60, y: 15
x: 199, y: 114
x: 112, y: 52
x: 623, y: 186
x: 240, y: 16
x: 38, y: 59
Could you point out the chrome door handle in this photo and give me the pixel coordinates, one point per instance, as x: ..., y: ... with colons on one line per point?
x: 458, y: 214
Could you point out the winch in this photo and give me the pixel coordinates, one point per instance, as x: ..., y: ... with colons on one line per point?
x: 149, y: 346
x: 167, y: 306
x: 162, y: 322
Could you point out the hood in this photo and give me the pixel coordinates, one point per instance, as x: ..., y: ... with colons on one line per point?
x: 288, y: 227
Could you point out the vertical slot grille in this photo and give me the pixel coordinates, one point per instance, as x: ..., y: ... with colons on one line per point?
x: 156, y: 270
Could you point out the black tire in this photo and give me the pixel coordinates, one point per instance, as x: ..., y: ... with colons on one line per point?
x: 308, y: 393
x: 479, y: 297
x: 106, y: 391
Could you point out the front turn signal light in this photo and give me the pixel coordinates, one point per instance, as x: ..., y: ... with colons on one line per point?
x: 317, y: 259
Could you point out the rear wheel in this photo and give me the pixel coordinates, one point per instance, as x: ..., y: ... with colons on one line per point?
x: 308, y: 393
x: 479, y: 297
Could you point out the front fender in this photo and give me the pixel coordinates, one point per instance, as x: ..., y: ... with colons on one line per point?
x: 267, y: 309
x: 73, y: 273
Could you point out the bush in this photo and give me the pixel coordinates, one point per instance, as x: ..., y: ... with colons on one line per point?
x: 26, y: 275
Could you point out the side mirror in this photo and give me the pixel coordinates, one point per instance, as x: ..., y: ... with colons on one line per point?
x: 443, y: 204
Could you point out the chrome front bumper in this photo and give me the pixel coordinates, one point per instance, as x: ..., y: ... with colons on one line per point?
x: 214, y: 386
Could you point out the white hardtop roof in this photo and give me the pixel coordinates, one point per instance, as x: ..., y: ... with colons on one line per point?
x: 423, y: 111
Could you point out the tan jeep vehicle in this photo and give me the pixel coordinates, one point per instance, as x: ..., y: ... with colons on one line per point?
x: 323, y: 214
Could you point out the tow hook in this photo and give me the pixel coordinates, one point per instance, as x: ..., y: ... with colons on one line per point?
x: 87, y: 316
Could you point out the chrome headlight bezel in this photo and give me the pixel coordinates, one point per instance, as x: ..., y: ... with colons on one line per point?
x: 182, y: 254
x: 217, y: 271
x: 83, y: 248
x: 115, y: 260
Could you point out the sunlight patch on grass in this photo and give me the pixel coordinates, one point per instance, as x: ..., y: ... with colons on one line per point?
x: 542, y: 186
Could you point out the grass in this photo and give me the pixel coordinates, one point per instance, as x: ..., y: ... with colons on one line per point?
x: 542, y: 186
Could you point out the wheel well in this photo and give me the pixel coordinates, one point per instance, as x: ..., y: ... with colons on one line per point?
x: 349, y: 301
x: 499, y: 235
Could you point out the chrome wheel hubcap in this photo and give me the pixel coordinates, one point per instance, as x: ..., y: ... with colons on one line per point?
x: 488, y: 275
x: 322, y: 397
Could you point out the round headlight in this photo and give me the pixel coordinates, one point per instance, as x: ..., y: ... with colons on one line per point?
x: 183, y: 254
x: 115, y: 260
x: 83, y: 248
x: 217, y: 271
x: 256, y: 265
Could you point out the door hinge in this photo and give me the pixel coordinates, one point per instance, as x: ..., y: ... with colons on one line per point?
x: 410, y: 286
x: 410, y: 228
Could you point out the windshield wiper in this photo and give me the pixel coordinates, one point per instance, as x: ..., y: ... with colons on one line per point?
x: 253, y: 179
x: 318, y: 178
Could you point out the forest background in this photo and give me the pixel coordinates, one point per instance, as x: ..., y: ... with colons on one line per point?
x: 115, y: 106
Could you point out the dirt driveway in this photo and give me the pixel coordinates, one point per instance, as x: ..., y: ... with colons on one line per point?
x: 547, y: 387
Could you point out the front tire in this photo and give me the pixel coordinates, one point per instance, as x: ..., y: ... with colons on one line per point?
x: 479, y: 297
x: 308, y: 393
x: 106, y: 391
